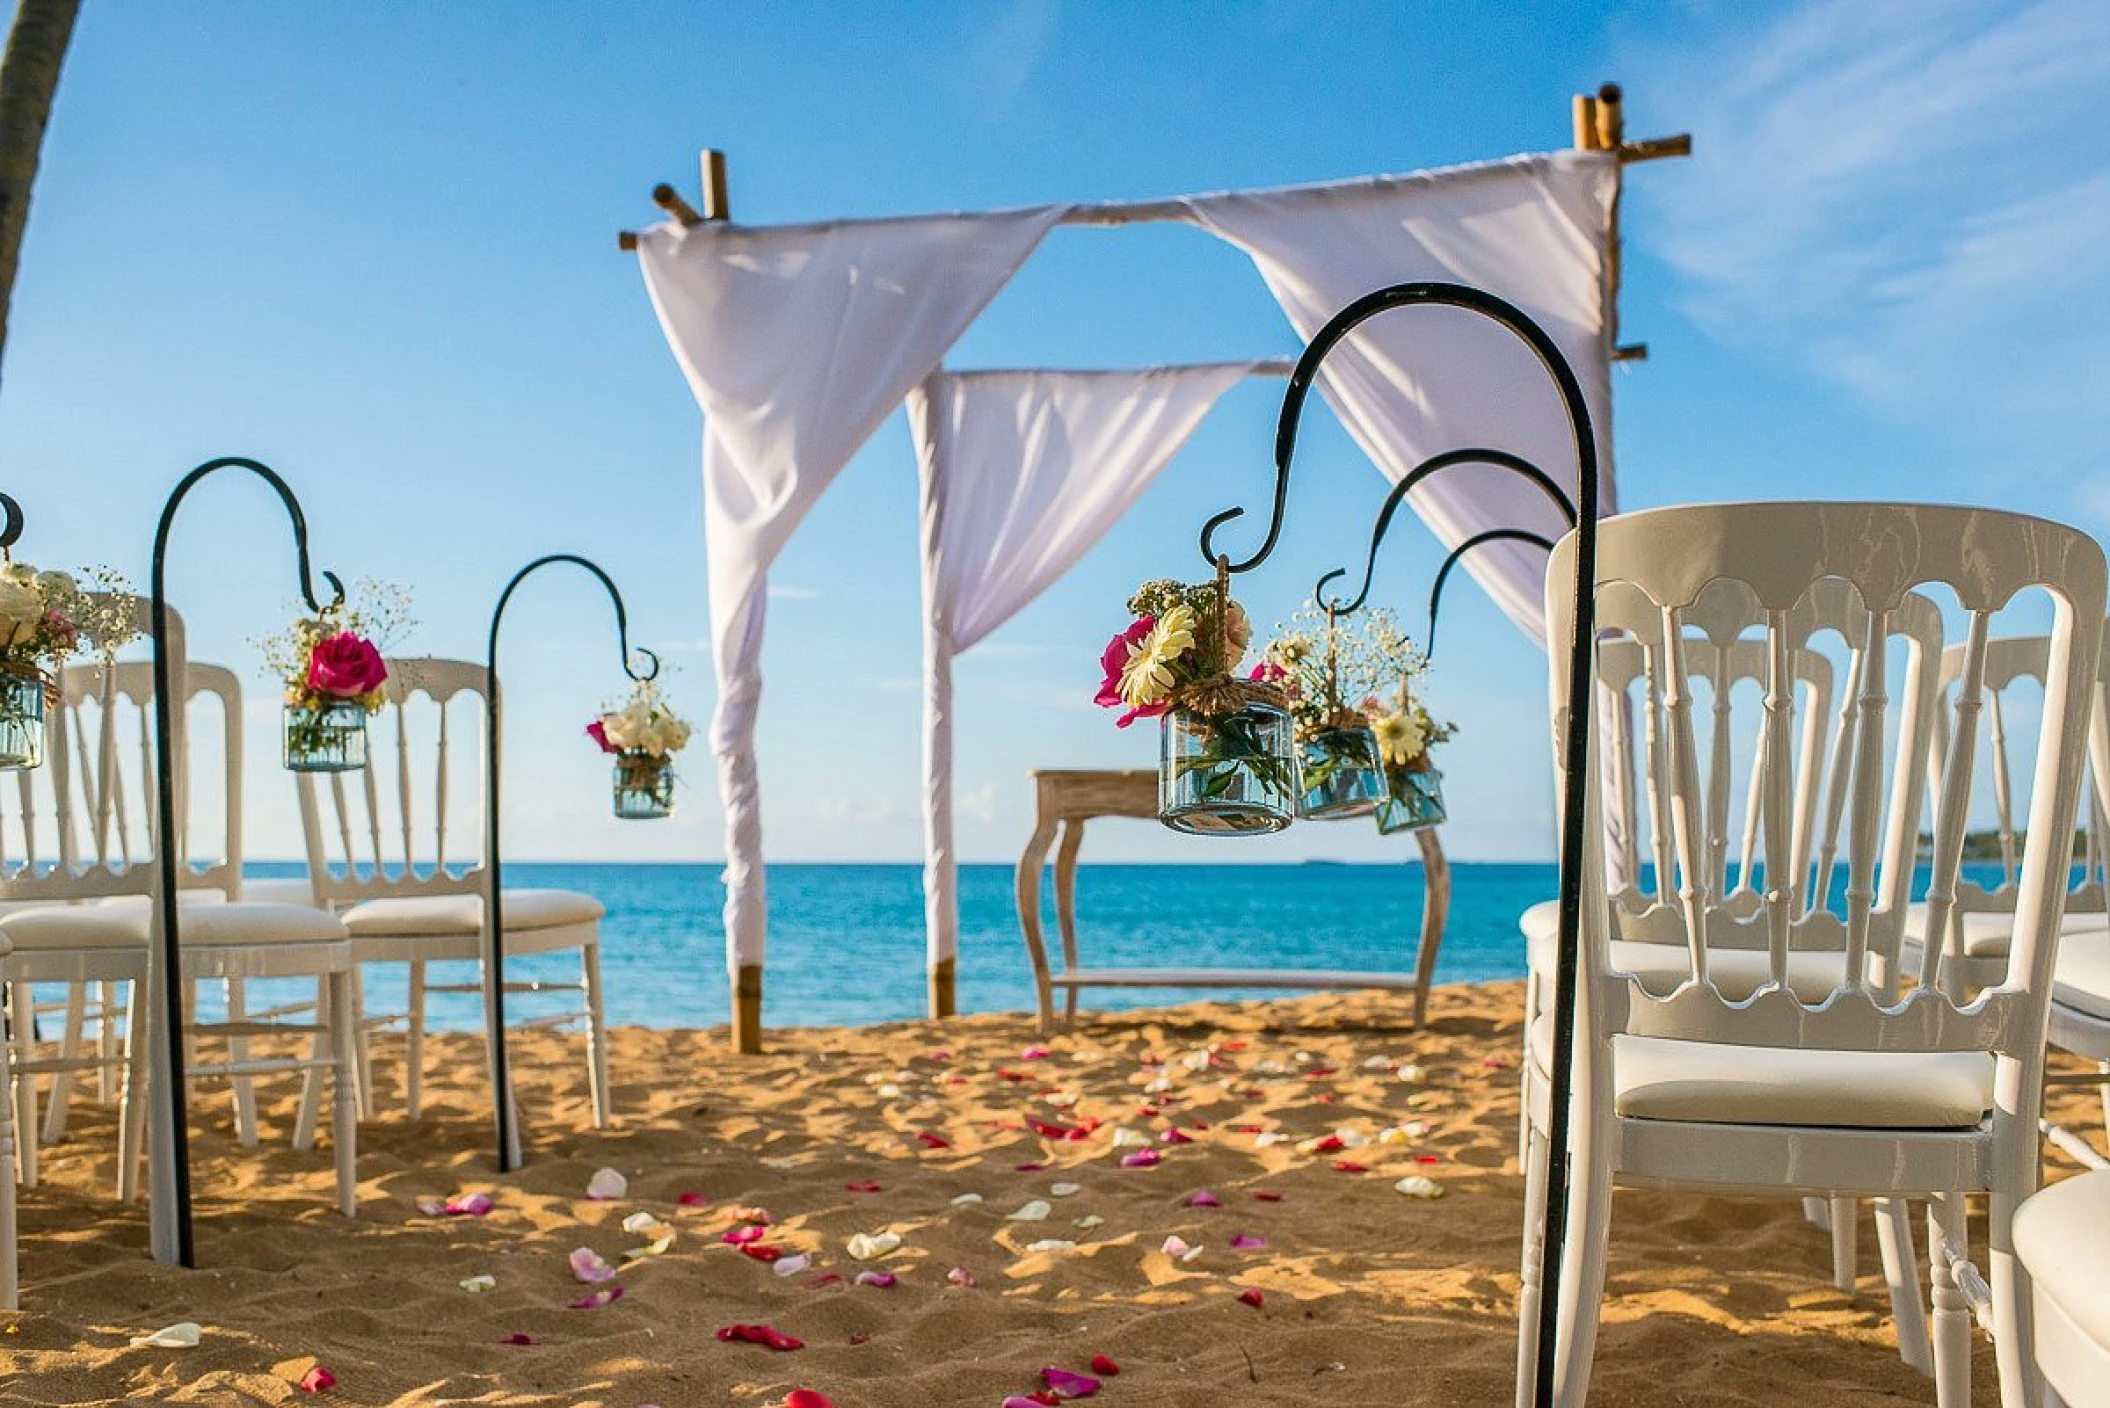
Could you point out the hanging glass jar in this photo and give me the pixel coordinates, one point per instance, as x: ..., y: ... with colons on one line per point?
x: 1342, y: 776
x: 1230, y: 774
x: 644, y: 786
x: 22, y: 700
x: 1413, y: 800
x: 327, y: 738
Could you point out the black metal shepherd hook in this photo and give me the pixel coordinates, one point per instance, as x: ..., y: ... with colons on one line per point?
x: 1576, y: 743
x: 11, y: 531
x: 168, y: 1158
x: 1443, y: 573
x: 509, y: 1157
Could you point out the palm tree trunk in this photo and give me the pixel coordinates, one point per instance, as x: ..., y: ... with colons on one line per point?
x: 29, y: 77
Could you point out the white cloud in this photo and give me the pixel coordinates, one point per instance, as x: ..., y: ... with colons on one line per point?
x: 1006, y: 46
x: 1910, y: 197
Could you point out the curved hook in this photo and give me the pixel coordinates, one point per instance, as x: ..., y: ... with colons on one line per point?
x: 622, y: 619
x: 1492, y: 535
x: 1500, y: 458
x: 1339, y: 326
x: 12, y: 532
x: 286, y: 497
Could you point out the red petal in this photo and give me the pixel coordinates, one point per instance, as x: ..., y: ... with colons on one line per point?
x: 861, y: 1187
x: 931, y: 1141
x: 741, y: 1236
x: 1048, y: 1129
x: 1427, y: 1159
x: 760, y: 1252
x: 806, y: 1398
x: 1251, y: 1297
x: 693, y: 1200
x: 826, y: 1278
x: 861, y: 1337
x: 762, y: 1335
x: 517, y: 1338
x: 1348, y: 1166
x: 1332, y: 1143
x: 1268, y: 1195
x: 318, y: 1380
x: 1031, y: 1168
x: 1102, y: 1365
x: 1319, y: 1072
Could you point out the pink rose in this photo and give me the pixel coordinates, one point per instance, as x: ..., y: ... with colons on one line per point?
x: 1268, y: 672
x: 1111, y: 661
x: 344, y: 666
x: 600, y: 735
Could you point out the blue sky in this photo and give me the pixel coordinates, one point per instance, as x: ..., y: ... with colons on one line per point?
x: 374, y: 246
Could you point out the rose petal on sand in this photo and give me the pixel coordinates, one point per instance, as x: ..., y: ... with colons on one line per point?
x: 1176, y: 1247
x: 825, y: 1279
x: 1252, y: 1297
x: 317, y: 1380
x: 861, y: 1186
x: 1035, y: 1053
x: 1174, y: 1136
x: 1035, y: 1211
x: 1064, y: 1190
x: 1205, y: 1199
x: 1349, y: 1166
x: 473, y: 1205
x: 589, y: 1265
x: 433, y: 1207
x: 966, y: 1199
x: 931, y: 1141
x: 656, y: 1247
x: 1267, y: 1139
x: 485, y: 1282
x: 741, y: 1213
x: 1141, y: 1158
x: 806, y: 1398
x: 868, y: 1246
x: 594, y: 1300
x: 960, y: 1276
x: 1105, y: 1367
x: 1029, y: 1168
x: 761, y: 1253
x: 693, y: 1200
x: 1019, y: 1400
x: 1069, y: 1385
x: 1415, y: 1186
x: 606, y: 1184
x: 181, y: 1335
x: 1323, y: 1144
x: 742, y: 1235
x: 1246, y: 1242
x: 1268, y: 1195
x: 882, y: 1279
x: 1088, y: 1221
x: 791, y: 1265
x: 1125, y: 1138
x: 1051, y: 1244
x: 762, y: 1335
x: 517, y: 1338
x: 646, y: 1223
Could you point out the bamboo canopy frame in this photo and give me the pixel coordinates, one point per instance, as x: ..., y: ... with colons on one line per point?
x: 1599, y: 124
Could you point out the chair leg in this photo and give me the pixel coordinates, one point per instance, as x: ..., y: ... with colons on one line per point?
x: 70, y: 1049
x: 107, y: 1050
x: 2103, y: 1068
x: 319, y: 1048
x: 1846, y: 1243
x: 244, y: 1087
x: 132, y: 1101
x: 1817, y: 1212
x: 344, y: 1113
x: 1582, y: 1275
x: 596, y: 1033
x: 1952, y: 1314
x: 1908, y: 1312
x: 414, y: 1053
x: 10, y: 1292
x: 21, y: 1015
x: 1531, y: 1279
x: 2014, y: 1310
x: 362, y: 1043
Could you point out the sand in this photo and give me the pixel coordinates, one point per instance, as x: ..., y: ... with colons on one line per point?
x: 1368, y: 1296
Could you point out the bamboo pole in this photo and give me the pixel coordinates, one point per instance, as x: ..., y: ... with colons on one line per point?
x: 717, y: 200
x: 1585, y: 119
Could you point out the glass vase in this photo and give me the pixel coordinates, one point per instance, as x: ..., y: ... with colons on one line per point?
x: 1342, y: 776
x: 1414, y: 801
x: 331, y: 738
x: 1233, y: 775
x: 644, y: 786
x: 21, y: 722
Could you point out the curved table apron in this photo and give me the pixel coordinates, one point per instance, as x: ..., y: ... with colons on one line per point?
x: 1065, y: 799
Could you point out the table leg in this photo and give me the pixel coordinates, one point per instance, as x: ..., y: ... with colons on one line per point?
x: 1435, y: 909
x: 1030, y: 865
x: 1066, y: 905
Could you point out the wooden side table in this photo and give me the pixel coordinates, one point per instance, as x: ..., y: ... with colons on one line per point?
x: 1065, y: 799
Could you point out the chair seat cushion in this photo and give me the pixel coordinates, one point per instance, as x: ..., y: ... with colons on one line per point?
x: 206, y: 925
x: 1988, y: 934
x: 2062, y: 1234
x: 1703, y: 1083
x: 1736, y: 973
x: 418, y: 916
x: 2082, y: 979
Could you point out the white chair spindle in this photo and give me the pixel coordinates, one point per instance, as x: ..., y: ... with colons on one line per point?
x: 1952, y: 803
x: 1867, y: 802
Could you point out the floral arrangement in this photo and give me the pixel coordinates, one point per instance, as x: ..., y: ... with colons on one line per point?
x: 1323, y: 664
x: 334, y: 659
x: 644, y: 726
x: 46, y: 617
x: 1405, y: 729
x: 1176, y: 647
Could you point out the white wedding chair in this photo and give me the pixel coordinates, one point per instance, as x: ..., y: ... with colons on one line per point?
x: 1861, y: 1092
x: 1649, y: 933
x: 2062, y: 1235
x: 95, y: 919
x: 410, y: 889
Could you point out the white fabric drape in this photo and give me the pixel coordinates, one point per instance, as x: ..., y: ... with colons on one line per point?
x: 797, y: 341
x: 1022, y: 472
x: 1416, y: 382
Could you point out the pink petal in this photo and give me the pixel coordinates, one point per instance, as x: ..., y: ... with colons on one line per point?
x: 432, y: 1207
x: 960, y: 1276
x: 517, y: 1338
x: 474, y: 1205
x: 693, y: 1200
x: 1252, y: 1297
x: 741, y: 1236
x: 1205, y: 1199
x: 1070, y: 1385
x: 1246, y: 1241
x: 594, y: 1300
x: 807, y: 1398
x: 1173, y: 1136
x: 1105, y: 1367
x: 318, y: 1380
x: 1035, y: 1053
x: 1141, y: 1158
x: 881, y: 1279
x: 590, y: 1266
